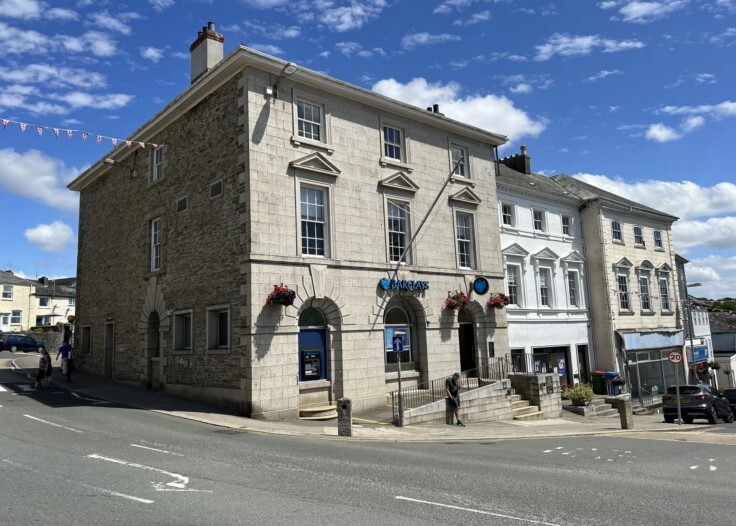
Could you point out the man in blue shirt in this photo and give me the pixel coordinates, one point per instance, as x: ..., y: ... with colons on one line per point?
x: 65, y: 351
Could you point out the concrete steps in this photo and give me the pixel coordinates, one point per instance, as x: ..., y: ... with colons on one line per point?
x: 597, y: 407
x: 522, y: 410
x: 324, y: 412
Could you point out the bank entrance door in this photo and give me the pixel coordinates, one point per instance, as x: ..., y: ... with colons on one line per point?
x: 312, y: 355
x: 466, y: 337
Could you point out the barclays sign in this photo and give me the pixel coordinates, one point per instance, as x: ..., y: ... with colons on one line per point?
x: 403, y: 284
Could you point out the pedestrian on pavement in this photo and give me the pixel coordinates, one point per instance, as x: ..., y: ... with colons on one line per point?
x: 66, y: 360
x: 44, y: 370
x: 452, y: 385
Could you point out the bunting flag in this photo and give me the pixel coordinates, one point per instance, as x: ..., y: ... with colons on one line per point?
x: 70, y: 133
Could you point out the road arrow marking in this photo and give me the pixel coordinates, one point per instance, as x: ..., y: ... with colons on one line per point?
x: 94, y: 401
x: 179, y: 484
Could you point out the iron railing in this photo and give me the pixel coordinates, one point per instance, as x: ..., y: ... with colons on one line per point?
x: 429, y: 392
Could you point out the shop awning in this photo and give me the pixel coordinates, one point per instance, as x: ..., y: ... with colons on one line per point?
x: 634, y: 340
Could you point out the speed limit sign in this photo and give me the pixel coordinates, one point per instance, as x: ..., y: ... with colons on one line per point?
x: 675, y: 357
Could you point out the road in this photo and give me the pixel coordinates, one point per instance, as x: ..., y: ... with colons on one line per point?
x: 67, y: 459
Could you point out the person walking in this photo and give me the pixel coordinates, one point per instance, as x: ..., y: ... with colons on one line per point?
x: 452, y: 385
x: 66, y: 360
x: 44, y: 369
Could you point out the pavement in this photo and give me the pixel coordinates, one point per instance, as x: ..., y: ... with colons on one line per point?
x: 369, y: 429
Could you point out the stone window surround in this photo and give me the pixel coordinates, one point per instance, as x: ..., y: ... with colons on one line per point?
x: 409, y: 257
x: 638, y: 233
x: 543, y: 221
x: 457, y: 145
x: 576, y: 270
x: 664, y: 275
x: 177, y: 317
x: 475, y: 263
x: 405, y: 161
x: 619, y: 230
x: 644, y: 275
x: 215, y: 310
x: 519, y: 268
x: 569, y: 225
x: 658, y: 244
x: 540, y: 271
x: 157, y: 171
x: 623, y: 272
x: 325, y: 141
x: 157, y: 213
x: 305, y: 179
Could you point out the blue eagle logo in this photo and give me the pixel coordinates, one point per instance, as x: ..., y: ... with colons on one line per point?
x: 385, y: 283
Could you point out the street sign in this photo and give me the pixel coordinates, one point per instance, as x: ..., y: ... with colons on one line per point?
x: 398, y: 343
x: 675, y: 357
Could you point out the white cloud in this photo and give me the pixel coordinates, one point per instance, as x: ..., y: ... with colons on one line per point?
x: 705, y: 78
x: 161, y: 5
x: 448, y: 6
x: 475, y: 18
x: 684, y: 199
x: 348, y: 48
x: 717, y: 273
x: 53, y: 76
x: 717, y: 232
x: 50, y: 238
x: 692, y: 123
x: 23, y: 9
x: 570, y: 46
x: 660, y: 133
x: 153, y: 54
x: 353, y: 16
x: 99, y: 44
x: 723, y: 109
x: 426, y: 39
x: 603, y: 74
x: 639, y: 12
x: 117, y: 22
x: 39, y: 177
x: 522, y: 87
x: 78, y: 99
x: 61, y: 14
x: 489, y: 112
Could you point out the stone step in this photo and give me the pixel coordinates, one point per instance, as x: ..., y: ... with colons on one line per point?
x: 324, y: 412
x: 607, y: 412
x: 515, y: 398
x: 536, y: 415
x: 519, y: 403
x: 517, y: 411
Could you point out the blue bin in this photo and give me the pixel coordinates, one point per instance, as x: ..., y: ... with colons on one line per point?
x: 611, y: 390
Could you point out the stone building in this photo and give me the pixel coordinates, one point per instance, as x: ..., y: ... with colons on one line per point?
x: 261, y: 174
x: 543, y: 253
x: 632, y: 283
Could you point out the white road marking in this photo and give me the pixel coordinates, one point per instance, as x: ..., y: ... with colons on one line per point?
x: 481, y: 512
x: 159, y: 450
x: 109, y: 492
x: 713, y: 468
x: 52, y: 424
x: 180, y: 484
x: 694, y: 467
x: 2, y: 389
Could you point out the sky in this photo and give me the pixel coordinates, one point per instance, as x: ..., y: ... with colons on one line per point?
x: 635, y: 97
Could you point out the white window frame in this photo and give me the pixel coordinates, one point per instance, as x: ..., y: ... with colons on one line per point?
x: 463, y: 169
x: 615, y: 231
x: 7, y: 292
x: 154, y: 240
x: 511, y: 215
x: 546, y: 293
x: 573, y: 289
x: 16, y: 317
x: 405, y: 206
x: 182, y: 332
x: 566, y: 219
x: 665, y: 300
x: 389, y: 144
x: 43, y: 302
x: 645, y: 293
x: 72, y: 302
x: 516, y: 298
x: 214, y: 328
x: 638, y: 236
x: 658, y: 245
x: 624, y: 295
x: 158, y: 164
x: 324, y: 140
x: 542, y: 220
x: 465, y: 244
x: 325, y: 221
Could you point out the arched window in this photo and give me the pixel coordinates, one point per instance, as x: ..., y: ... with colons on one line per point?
x: 311, y: 317
x: 399, y: 328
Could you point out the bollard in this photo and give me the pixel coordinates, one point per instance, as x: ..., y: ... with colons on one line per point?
x: 625, y: 411
x: 344, y: 417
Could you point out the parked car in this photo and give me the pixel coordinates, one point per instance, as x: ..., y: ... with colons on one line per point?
x: 730, y: 395
x: 696, y: 401
x: 20, y: 342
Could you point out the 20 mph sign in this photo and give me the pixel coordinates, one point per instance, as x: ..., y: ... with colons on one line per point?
x: 675, y: 357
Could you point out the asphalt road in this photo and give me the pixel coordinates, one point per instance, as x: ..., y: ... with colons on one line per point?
x: 67, y: 459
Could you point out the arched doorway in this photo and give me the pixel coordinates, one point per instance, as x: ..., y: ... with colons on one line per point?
x: 399, y: 321
x: 466, y: 338
x: 312, y: 345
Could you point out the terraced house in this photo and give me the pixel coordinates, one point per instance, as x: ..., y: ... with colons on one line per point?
x: 265, y: 182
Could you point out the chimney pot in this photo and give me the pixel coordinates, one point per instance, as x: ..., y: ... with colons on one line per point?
x: 436, y: 108
x: 206, y: 51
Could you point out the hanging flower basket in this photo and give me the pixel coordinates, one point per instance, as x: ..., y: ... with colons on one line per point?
x: 714, y: 365
x: 498, y: 301
x: 455, y: 301
x: 281, y: 295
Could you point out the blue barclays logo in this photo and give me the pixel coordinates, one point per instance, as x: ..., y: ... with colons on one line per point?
x: 403, y: 284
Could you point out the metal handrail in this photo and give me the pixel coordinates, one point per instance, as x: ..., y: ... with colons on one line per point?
x: 428, y: 392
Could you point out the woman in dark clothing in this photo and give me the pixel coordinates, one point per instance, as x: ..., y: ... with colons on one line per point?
x: 44, y: 369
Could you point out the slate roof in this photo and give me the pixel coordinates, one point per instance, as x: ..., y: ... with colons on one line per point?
x: 587, y: 191
x: 722, y: 321
x: 54, y: 288
x: 540, y: 183
x: 8, y: 278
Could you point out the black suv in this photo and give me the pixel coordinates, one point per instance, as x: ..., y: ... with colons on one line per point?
x: 696, y: 401
x: 730, y: 395
x: 20, y: 342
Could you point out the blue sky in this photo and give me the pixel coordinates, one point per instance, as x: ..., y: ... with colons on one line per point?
x: 635, y: 97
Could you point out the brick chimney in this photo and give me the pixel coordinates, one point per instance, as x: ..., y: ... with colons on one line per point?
x: 520, y: 162
x: 206, y: 51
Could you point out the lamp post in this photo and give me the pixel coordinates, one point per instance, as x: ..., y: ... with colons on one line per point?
x: 690, y: 324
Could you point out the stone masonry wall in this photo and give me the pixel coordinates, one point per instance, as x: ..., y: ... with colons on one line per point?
x: 542, y: 390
